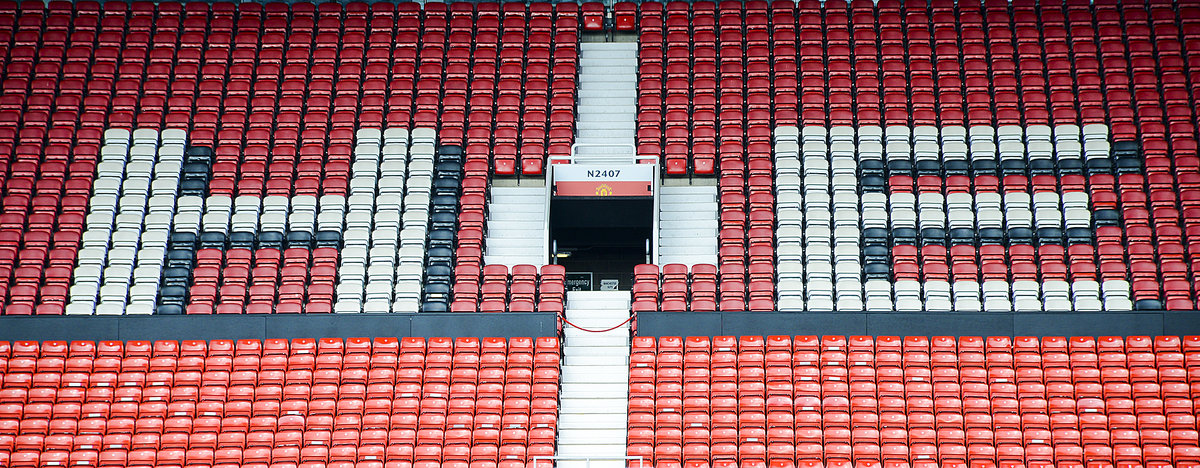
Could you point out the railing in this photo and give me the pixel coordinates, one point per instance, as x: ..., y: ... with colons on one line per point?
x: 588, y: 460
x: 631, y: 158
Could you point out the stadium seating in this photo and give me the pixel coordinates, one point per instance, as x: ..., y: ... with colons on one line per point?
x: 304, y: 403
x: 914, y: 401
x: 202, y: 124
x: 1016, y: 156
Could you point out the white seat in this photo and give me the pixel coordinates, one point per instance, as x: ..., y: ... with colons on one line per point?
x: 814, y: 132
x: 376, y: 307
x: 1057, y: 305
x: 898, y: 150
x: 384, y: 236
x: 790, y: 270
x: 88, y: 289
x: 997, y: 304
x: 787, y: 133
x: 420, y: 152
x: 926, y: 150
x: 347, y: 307
x: 347, y: 289
x: 377, y: 291
x: 967, y: 305
x: 897, y: 133
x: 423, y: 135
x: 925, y: 133
x: 1017, y: 200
x: 1096, y: 149
x: 406, y: 306
x: 820, y: 304
x: 412, y: 254
x: 1118, y: 304
x: 870, y: 150
x: 396, y: 135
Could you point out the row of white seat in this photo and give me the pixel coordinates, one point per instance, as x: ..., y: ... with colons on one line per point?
x: 896, y: 133
x: 944, y: 143
x: 928, y: 210
x: 795, y: 293
x: 382, y: 263
x: 129, y: 220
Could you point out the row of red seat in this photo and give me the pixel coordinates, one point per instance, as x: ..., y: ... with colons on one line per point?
x: 495, y: 289
x: 400, y: 402
x: 930, y: 401
x: 910, y: 64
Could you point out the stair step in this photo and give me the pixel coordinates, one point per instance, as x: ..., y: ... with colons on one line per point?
x: 594, y: 394
x: 578, y: 350
x: 626, y: 80
x: 594, y: 373
x: 599, y: 339
x: 598, y: 421
x: 608, y: 86
x: 594, y: 435
x: 590, y: 405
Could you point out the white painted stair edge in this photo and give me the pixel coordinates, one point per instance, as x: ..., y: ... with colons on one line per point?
x: 516, y: 225
x: 594, y: 397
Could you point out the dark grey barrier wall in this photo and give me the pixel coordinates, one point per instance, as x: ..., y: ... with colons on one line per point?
x: 918, y: 324
x: 212, y: 327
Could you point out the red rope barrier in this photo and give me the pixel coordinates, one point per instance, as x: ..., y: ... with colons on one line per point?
x: 568, y: 322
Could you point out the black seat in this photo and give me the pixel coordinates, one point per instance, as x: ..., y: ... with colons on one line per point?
x: 241, y: 240
x: 1079, y: 235
x: 1049, y: 236
x: 1070, y: 166
x: 956, y: 167
x: 328, y: 239
x: 1107, y: 217
x: 193, y: 187
x: 441, y: 238
x: 876, y: 254
x: 983, y: 167
x: 270, y: 240
x: 1041, y: 167
x: 180, y: 258
x: 960, y: 236
x: 928, y: 167
x: 872, y: 167
x: 991, y: 236
x: 1012, y: 167
x: 1020, y: 236
x: 212, y: 240
x: 299, y: 239
x: 1099, y: 166
x: 904, y: 236
x: 182, y: 240
x: 933, y: 236
x: 169, y: 309
x: 877, y: 271
x: 173, y: 295
x: 899, y: 167
x: 434, y: 307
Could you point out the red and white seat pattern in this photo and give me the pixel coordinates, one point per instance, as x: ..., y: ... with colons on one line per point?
x: 281, y: 95
x: 937, y: 86
x: 359, y: 403
x: 858, y: 401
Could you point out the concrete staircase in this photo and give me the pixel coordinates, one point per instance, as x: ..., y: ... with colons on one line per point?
x: 594, y: 397
x: 688, y: 224
x: 607, y: 112
x: 516, y: 226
